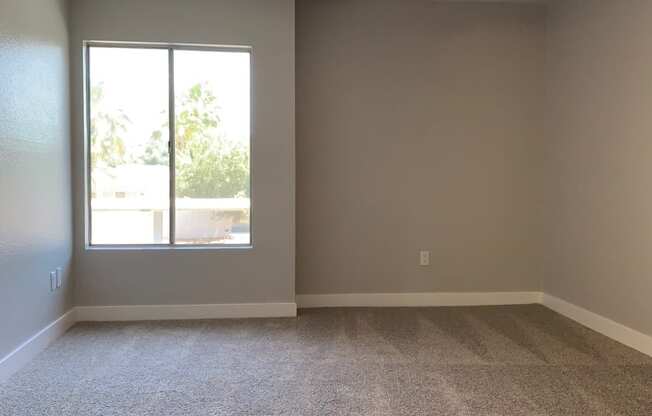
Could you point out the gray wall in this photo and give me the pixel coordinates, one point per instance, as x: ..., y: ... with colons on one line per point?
x: 35, y: 201
x: 418, y: 127
x: 600, y: 170
x: 264, y: 274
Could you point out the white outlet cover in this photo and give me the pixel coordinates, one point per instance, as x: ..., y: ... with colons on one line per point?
x: 59, y: 276
x: 53, y: 281
x: 424, y: 258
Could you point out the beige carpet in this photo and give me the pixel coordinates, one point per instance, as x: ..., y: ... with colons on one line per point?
x: 514, y: 360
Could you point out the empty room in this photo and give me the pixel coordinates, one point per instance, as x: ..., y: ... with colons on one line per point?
x: 325, y: 207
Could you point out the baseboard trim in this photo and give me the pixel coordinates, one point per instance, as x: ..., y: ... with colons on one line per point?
x: 177, y: 312
x: 612, y: 329
x: 39, y: 342
x: 29, y: 349
x: 605, y: 326
x: 417, y: 299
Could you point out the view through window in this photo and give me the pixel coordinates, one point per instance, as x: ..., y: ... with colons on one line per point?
x: 169, y: 145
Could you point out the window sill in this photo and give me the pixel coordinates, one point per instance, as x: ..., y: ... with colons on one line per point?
x: 135, y: 247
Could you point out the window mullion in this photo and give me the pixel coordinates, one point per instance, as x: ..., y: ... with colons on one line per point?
x: 171, y: 144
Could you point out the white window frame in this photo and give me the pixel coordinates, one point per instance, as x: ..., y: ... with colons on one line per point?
x: 170, y: 47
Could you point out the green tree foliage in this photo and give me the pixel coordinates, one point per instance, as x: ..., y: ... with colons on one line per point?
x: 156, y: 150
x: 207, y: 165
x: 107, y: 130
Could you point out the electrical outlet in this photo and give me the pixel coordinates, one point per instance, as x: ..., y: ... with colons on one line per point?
x: 59, y: 274
x: 53, y: 281
x: 424, y: 258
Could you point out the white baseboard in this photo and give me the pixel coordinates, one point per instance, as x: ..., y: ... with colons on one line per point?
x: 29, y: 349
x: 612, y: 329
x: 417, y: 299
x: 176, y: 312
x: 37, y: 343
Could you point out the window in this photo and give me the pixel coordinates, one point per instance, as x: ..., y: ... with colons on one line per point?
x: 168, y: 145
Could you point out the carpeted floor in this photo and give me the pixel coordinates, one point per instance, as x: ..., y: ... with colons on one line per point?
x: 512, y: 360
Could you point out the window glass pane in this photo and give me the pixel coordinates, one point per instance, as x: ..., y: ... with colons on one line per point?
x: 212, y: 123
x: 129, y: 146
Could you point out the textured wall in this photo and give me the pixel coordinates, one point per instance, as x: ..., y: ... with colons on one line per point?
x: 599, y: 131
x: 35, y: 201
x: 264, y: 274
x: 418, y: 127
